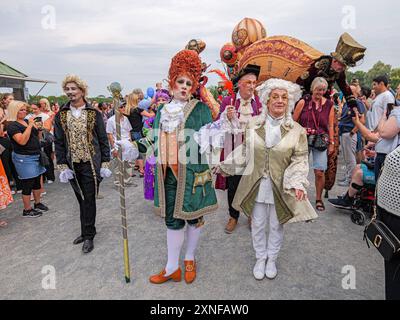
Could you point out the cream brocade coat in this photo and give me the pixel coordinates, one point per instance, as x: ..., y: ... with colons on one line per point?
x: 286, y: 163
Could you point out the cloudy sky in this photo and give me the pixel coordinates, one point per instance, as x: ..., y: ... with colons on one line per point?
x: 133, y: 41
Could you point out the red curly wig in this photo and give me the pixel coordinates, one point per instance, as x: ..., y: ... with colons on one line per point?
x: 185, y: 63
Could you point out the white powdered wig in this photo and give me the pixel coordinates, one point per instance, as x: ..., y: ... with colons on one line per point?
x: 294, y: 95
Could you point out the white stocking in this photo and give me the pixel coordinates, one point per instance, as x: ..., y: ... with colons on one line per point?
x: 175, y: 240
x: 193, y: 235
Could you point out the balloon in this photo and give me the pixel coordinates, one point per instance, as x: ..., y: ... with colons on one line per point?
x: 146, y: 97
x: 150, y: 92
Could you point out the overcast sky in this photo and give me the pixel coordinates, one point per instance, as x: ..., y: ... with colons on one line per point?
x: 133, y: 41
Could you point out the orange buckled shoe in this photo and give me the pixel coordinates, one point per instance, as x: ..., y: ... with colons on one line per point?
x: 161, y: 278
x: 190, y: 271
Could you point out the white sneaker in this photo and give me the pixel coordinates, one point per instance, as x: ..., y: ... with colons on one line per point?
x: 50, y: 181
x: 270, y: 271
x: 259, y: 269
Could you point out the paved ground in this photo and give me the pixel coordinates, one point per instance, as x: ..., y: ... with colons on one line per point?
x: 310, y: 264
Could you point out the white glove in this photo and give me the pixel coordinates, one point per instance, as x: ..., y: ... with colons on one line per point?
x: 123, y: 143
x: 105, y: 173
x: 129, y: 152
x: 66, y: 175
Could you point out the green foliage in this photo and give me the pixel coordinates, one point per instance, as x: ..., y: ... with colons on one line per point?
x: 64, y: 99
x: 395, y: 78
x: 378, y: 69
x: 214, y: 91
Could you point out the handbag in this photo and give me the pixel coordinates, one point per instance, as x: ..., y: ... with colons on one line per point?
x: 43, y: 159
x: 382, y: 237
x: 320, y: 141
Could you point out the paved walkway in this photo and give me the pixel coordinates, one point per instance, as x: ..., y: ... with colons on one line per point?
x: 310, y: 264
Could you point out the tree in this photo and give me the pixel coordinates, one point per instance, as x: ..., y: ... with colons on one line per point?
x: 379, y: 69
x: 214, y: 91
x: 395, y: 78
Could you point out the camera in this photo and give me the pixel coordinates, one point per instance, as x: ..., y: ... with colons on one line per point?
x: 310, y: 131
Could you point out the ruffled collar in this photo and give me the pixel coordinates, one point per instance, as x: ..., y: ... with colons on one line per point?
x: 172, y: 115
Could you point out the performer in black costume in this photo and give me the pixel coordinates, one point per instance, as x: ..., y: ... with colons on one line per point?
x: 82, y: 152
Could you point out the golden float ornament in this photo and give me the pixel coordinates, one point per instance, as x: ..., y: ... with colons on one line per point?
x: 247, y: 32
x: 228, y: 54
x: 280, y: 57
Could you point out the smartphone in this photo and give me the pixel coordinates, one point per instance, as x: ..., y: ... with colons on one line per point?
x: 39, y: 122
x: 389, y: 109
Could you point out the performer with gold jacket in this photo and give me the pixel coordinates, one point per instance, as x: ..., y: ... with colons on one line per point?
x: 82, y: 152
x: 183, y: 181
x: 273, y: 162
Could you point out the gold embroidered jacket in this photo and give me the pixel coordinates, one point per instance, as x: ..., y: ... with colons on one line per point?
x: 94, y: 143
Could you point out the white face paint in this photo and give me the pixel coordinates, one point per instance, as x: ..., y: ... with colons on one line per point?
x: 73, y: 92
x: 182, y: 88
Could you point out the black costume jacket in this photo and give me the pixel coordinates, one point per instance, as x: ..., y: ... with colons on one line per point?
x: 322, y: 68
x: 97, y: 139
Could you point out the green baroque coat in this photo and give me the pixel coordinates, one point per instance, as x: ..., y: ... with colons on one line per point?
x: 195, y: 196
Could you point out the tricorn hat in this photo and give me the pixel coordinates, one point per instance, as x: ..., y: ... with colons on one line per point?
x: 348, y: 51
x: 250, y: 68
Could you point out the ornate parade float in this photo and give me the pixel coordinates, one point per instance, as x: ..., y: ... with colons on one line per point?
x: 280, y: 56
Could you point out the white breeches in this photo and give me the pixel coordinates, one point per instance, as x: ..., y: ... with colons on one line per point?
x: 261, y: 214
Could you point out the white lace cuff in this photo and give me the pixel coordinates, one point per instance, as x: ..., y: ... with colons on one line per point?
x: 295, y: 177
x: 212, y: 135
x: 62, y: 167
x: 105, y: 165
x: 233, y: 126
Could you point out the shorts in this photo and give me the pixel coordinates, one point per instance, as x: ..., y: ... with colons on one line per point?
x: 319, y: 159
x: 27, y: 166
x: 136, y: 135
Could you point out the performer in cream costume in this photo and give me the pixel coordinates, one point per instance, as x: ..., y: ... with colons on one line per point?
x: 274, y: 173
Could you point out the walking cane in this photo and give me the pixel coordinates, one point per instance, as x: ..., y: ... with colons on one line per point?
x: 115, y: 89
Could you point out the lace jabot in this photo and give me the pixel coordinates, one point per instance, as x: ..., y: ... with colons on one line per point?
x: 172, y: 115
x: 272, y: 131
